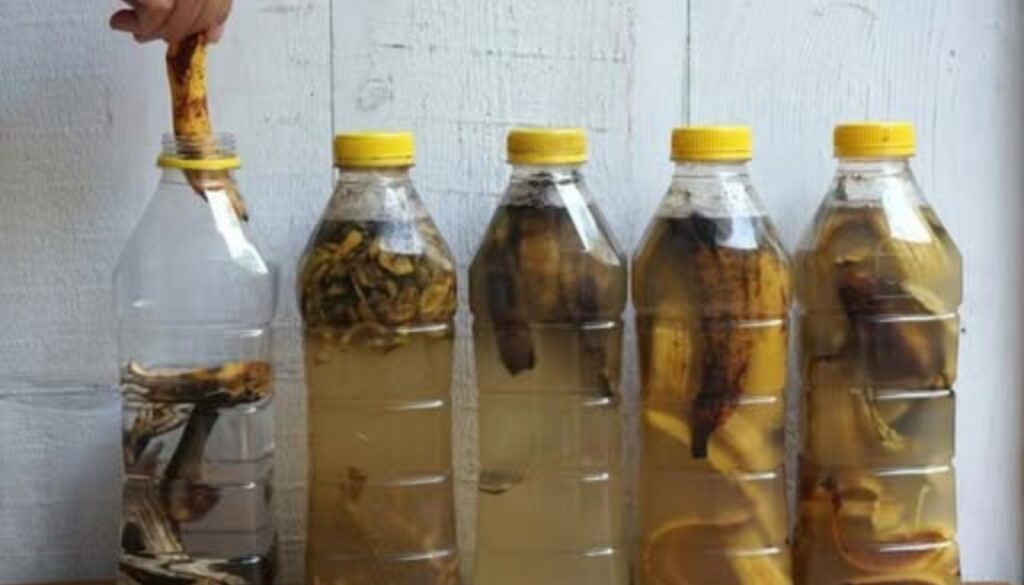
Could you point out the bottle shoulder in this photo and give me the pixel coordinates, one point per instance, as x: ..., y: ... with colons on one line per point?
x: 193, y: 258
x: 892, y: 247
x: 389, y: 270
x: 548, y: 254
x: 721, y: 268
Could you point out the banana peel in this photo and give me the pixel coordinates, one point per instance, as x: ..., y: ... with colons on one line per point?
x: 537, y: 269
x: 675, y: 552
x: 712, y: 328
x: 507, y: 300
x: 229, y: 384
x: 729, y: 306
x: 186, y: 75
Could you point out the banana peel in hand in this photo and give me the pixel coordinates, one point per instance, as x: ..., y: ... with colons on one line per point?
x: 186, y: 74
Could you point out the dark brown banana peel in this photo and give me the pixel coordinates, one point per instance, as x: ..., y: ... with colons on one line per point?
x: 536, y: 270
x: 734, y: 286
x: 186, y: 74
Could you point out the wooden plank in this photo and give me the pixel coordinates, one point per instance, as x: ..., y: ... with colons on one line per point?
x: 793, y: 68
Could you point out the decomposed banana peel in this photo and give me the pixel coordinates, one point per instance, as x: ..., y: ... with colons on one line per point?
x: 186, y: 75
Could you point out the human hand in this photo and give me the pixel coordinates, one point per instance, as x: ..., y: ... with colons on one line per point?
x: 172, y: 20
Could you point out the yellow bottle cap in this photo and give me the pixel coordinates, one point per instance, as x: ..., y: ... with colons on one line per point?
x: 874, y: 140
x: 199, y: 152
x: 216, y: 163
x: 712, y: 143
x: 374, y: 149
x: 547, y: 146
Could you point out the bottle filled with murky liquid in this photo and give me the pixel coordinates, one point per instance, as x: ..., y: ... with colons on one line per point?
x: 547, y: 290
x: 377, y: 293
x: 194, y: 301
x: 879, y: 288
x: 711, y: 287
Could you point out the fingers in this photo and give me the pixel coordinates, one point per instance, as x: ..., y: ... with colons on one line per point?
x: 214, y: 34
x: 125, y: 21
x: 145, y: 21
x: 210, y: 17
x: 172, y: 20
x: 221, y: 17
x: 179, y: 24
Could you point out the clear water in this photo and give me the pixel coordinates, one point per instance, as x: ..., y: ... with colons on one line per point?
x: 231, y: 528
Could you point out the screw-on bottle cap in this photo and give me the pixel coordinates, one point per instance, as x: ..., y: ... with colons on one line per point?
x: 547, y: 146
x: 374, y: 149
x: 874, y: 140
x: 712, y: 143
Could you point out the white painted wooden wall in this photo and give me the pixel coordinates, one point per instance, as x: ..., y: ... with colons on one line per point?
x: 81, y: 112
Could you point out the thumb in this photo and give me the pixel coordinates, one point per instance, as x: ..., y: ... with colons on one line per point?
x: 215, y: 33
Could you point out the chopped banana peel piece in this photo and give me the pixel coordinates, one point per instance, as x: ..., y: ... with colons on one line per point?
x: 230, y: 384
x: 363, y: 283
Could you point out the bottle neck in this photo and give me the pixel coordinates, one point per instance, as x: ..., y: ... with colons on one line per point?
x: 375, y: 193
x: 383, y: 175
x: 180, y: 177
x: 868, y: 180
x: 711, y: 188
x: 711, y: 170
x: 877, y: 167
x: 556, y: 173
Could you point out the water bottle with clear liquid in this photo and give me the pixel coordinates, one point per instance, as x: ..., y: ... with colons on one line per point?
x: 194, y: 299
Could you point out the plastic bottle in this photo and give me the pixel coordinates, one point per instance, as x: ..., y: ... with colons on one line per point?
x: 711, y: 287
x: 194, y: 299
x: 377, y: 294
x: 547, y: 290
x: 879, y: 287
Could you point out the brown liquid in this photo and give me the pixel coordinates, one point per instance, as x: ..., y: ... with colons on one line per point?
x: 712, y: 311
x: 879, y: 293
x: 378, y: 299
x: 547, y: 331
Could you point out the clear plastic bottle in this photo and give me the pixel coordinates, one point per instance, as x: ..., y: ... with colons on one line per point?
x: 879, y: 289
x: 194, y: 299
x: 377, y: 290
x: 711, y: 287
x: 547, y: 291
